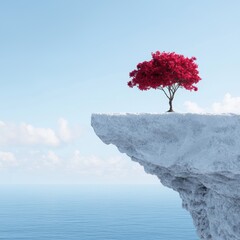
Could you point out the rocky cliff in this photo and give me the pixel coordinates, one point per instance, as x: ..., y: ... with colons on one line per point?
x: 196, y: 155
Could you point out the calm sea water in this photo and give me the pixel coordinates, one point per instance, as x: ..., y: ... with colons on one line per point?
x: 92, y: 212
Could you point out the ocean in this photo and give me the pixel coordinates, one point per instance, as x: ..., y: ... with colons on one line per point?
x: 93, y: 212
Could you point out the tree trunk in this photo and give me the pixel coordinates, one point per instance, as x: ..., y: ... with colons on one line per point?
x: 170, y: 105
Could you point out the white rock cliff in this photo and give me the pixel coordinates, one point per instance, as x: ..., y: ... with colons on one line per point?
x: 196, y: 155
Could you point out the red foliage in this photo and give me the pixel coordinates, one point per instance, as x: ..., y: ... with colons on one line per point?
x: 164, y: 70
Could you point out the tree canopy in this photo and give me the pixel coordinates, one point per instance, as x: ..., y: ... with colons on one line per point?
x: 167, y: 72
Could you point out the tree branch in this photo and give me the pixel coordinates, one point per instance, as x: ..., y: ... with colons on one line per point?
x: 165, y: 93
x: 161, y: 88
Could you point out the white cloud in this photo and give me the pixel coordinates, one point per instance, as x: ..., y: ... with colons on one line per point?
x: 51, y: 158
x: 47, y: 166
x: 81, y: 165
x: 229, y: 104
x: 27, y: 134
x: 193, y: 107
x: 34, y: 135
x: 7, y: 159
x: 7, y: 156
x: 112, y: 167
x: 64, y: 130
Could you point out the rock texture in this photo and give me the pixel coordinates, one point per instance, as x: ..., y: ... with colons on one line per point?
x: 196, y: 155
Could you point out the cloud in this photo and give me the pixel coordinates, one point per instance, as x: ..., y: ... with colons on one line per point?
x: 7, y: 159
x: 229, y: 104
x: 48, y: 166
x: 27, y: 134
x: 35, y: 135
x: 64, y: 130
x: 30, y: 155
x: 51, y: 159
x: 7, y: 156
x: 193, y: 107
x: 110, y: 167
x: 76, y: 163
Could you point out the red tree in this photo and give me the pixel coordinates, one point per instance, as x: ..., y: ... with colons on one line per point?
x: 167, y: 72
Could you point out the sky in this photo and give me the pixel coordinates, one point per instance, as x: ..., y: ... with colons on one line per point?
x: 62, y: 60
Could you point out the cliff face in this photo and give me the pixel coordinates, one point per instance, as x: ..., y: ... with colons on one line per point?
x: 196, y: 155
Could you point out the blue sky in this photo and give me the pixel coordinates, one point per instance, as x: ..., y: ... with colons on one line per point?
x: 63, y: 60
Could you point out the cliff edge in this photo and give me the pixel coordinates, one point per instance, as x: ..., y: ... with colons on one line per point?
x: 196, y: 155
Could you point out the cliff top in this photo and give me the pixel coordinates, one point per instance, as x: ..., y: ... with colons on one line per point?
x: 194, y: 142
